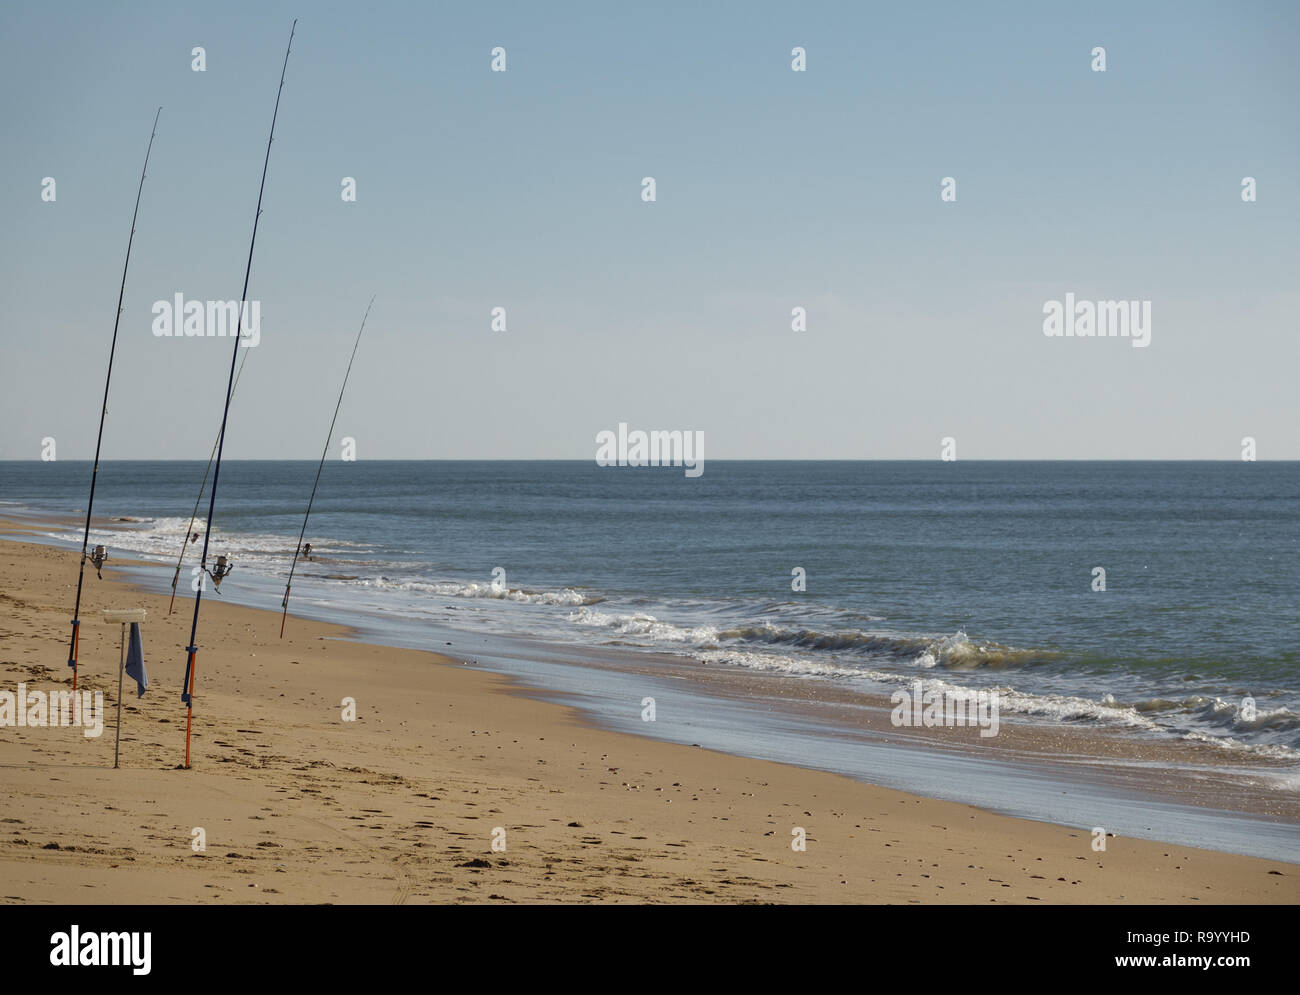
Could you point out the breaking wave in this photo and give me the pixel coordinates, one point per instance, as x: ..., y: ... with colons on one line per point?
x: 951, y: 652
x: 567, y: 597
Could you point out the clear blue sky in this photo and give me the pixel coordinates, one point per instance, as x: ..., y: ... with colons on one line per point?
x: 775, y: 189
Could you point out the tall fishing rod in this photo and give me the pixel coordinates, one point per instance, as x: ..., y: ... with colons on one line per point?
x: 320, y: 466
x: 74, y: 646
x: 187, y: 695
x: 185, y: 542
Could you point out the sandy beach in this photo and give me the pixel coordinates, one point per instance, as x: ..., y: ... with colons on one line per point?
x: 402, y: 805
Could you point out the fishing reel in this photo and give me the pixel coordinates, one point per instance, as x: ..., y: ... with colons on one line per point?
x: 221, y: 571
x: 97, y: 557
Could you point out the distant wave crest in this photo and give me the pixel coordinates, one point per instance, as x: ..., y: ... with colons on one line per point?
x: 454, y: 589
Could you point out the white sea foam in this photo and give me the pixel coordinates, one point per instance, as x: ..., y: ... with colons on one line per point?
x: 161, y: 538
x: 471, y: 589
x: 646, y: 627
x: 774, y: 663
x: 1056, y: 708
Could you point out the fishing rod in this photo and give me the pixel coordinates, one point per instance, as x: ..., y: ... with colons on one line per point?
x: 320, y: 466
x: 185, y: 542
x: 187, y: 695
x: 100, y: 554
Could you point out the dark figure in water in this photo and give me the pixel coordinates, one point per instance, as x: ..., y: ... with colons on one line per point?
x: 194, y: 538
x: 306, y: 551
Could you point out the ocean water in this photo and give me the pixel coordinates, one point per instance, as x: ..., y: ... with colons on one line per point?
x: 977, y: 575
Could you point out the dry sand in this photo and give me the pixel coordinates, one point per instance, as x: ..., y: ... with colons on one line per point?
x: 400, y: 805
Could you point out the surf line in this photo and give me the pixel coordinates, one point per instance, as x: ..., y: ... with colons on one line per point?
x: 100, y: 554
x: 187, y: 695
x: 320, y: 466
x: 194, y: 514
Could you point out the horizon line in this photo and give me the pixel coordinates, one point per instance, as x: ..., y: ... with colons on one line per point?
x: 669, y: 466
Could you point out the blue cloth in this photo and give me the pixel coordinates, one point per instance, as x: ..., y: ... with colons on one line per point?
x: 135, y: 661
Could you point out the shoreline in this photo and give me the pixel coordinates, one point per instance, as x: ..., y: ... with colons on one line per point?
x: 1194, y: 794
x: 299, y: 806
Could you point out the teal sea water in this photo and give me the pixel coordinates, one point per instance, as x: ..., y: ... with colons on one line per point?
x: 970, y: 574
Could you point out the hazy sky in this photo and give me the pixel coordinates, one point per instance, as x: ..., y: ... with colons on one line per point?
x: 776, y: 189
